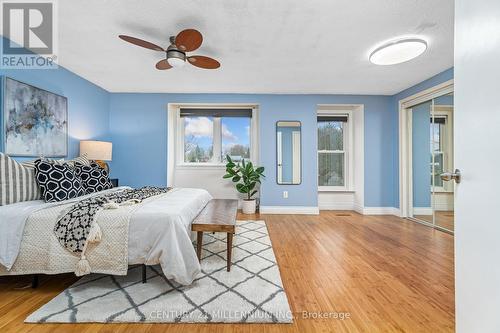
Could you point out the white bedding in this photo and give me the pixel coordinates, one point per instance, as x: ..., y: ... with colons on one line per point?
x: 159, y: 232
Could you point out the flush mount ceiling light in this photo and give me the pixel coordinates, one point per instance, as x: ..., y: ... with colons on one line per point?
x: 398, y: 51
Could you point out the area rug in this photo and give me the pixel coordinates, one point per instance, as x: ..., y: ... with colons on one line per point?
x: 252, y: 292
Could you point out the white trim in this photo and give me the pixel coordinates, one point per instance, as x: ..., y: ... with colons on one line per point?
x: 303, y: 210
x: 340, y: 189
x: 422, y: 210
x: 405, y: 175
x: 216, y: 140
x: 172, y: 116
x: 358, y: 209
x: 310, y: 210
x: 338, y: 206
x: 381, y: 211
x: 427, y: 94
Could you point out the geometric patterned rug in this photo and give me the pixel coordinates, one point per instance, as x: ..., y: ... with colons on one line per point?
x: 251, y: 293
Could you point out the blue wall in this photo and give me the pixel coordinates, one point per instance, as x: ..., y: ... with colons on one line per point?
x: 138, y: 127
x: 431, y: 82
x: 88, y: 104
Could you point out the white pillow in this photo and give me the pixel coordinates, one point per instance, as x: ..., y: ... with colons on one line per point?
x: 17, y: 182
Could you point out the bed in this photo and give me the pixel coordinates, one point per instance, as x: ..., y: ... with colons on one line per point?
x: 159, y: 232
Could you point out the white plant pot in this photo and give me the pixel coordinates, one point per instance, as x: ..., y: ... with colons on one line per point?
x: 248, y: 206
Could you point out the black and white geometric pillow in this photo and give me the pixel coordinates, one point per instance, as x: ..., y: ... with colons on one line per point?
x: 57, y: 182
x: 94, y: 178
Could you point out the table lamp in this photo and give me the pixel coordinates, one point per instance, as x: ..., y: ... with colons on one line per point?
x: 100, y: 151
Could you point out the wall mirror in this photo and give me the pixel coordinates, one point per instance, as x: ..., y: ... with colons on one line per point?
x: 288, y: 153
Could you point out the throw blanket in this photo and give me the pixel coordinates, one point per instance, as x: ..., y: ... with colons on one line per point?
x: 76, y: 228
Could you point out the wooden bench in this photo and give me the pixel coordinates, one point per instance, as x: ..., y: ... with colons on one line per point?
x: 219, y: 215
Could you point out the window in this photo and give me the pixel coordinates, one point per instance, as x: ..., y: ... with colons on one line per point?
x: 208, y: 135
x: 333, y: 162
x: 198, y: 139
x: 438, y: 148
x: 235, y: 133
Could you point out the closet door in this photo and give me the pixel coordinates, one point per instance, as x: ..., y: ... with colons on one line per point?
x: 420, y: 122
x: 441, y: 157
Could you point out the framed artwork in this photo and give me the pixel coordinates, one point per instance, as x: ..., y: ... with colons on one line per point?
x: 35, y: 121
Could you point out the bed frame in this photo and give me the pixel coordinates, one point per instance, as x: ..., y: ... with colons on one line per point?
x: 35, y: 277
x: 219, y: 215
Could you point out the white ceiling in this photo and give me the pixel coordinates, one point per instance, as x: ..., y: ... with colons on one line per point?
x: 264, y: 46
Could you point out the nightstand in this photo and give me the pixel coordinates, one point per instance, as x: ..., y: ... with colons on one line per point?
x: 114, y: 181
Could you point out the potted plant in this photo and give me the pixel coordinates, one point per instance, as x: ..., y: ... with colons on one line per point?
x: 245, y: 177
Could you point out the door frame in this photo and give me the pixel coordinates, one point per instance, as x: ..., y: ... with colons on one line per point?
x: 405, y: 158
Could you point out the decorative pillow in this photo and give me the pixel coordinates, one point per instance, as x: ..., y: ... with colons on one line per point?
x: 94, y: 178
x: 17, y: 182
x: 83, y: 159
x: 31, y: 163
x: 57, y: 182
x: 80, y: 159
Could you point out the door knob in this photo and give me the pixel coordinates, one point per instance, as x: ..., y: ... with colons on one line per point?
x: 447, y: 176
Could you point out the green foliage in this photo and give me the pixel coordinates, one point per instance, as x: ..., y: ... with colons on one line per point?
x: 244, y: 175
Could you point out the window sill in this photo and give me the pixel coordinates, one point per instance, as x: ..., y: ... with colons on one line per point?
x: 335, y: 189
x: 191, y: 166
x: 441, y: 191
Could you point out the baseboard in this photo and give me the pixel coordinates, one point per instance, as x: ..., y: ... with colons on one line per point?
x: 337, y: 206
x: 381, y: 211
x: 305, y: 210
x: 363, y: 210
x: 311, y: 210
x: 422, y: 211
x: 358, y: 209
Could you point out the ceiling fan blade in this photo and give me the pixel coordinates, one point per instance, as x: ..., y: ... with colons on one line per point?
x: 188, y: 40
x: 203, y: 62
x: 163, y: 64
x: 142, y: 43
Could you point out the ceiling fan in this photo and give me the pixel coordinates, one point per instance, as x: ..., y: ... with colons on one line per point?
x: 186, y: 41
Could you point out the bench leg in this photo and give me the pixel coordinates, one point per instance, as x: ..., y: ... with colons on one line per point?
x: 199, y: 241
x: 143, y: 273
x: 34, y: 281
x: 229, y: 249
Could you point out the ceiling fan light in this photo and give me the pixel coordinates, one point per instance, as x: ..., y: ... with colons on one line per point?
x: 398, y: 51
x: 176, y: 62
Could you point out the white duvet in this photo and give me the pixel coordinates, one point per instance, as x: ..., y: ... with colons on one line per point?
x: 159, y: 233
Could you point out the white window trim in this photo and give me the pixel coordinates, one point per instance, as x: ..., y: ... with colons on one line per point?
x: 175, y: 136
x: 348, y: 149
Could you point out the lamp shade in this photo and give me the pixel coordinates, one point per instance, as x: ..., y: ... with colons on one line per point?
x: 97, y: 150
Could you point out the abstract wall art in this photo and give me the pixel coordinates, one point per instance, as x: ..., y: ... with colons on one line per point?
x: 35, y: 121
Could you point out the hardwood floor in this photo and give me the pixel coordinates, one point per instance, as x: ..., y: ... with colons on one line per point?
x: 444, y: 218
x: 389, y: 274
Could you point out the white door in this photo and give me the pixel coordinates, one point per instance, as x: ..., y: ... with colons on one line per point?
x: 477, y: 155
